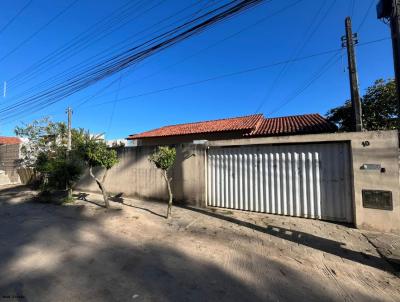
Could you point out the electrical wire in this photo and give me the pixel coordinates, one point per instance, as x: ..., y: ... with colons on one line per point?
x: 104, y: 54
x: 326, y: 66
x: 292, y: 5
x: 82, y: 41
x: 307, y: 84
x: 22, y: 43
x: 309, y: 33
x: 240, y: 72
x: 320, y: 72
x: 114, y: 105
x: 365, y: 15
x: 8, y: 24
x: 126, y: 59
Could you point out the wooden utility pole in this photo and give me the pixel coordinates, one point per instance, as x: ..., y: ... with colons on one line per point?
x: 348, y: 41
x: 69, y: 112
x: 389, y: 10
x: 395, y: 30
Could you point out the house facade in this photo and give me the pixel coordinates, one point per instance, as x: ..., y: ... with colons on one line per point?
x: 292, y: 166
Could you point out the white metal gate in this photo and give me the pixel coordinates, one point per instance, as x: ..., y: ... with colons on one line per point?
x: 307, y: 180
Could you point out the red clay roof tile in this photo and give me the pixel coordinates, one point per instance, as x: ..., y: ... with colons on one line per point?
x: 5, y: 140
x: 298, y: 124
x: 244, y: 123
x: 252, y: 125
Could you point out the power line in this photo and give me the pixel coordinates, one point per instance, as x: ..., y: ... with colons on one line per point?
x: 244, y: 71
x: 38, y: 31
x: 87, y: 38
x: 249, y: 70
x: 87, y: 63
x: 321, y: 71
x: 126, y: 59
x: 292, y: 5
x: 315, y: 77
x: 15, y: 16
x: 114, y: 105
x: 297, y: 52
x: 365, y: 15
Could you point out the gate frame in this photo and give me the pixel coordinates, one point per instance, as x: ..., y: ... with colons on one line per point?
x: 349, y: 168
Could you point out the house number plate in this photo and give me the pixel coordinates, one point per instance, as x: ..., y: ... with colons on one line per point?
x: 377, y: 199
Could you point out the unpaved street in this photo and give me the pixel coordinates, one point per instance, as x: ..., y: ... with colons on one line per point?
x: 82, y: 252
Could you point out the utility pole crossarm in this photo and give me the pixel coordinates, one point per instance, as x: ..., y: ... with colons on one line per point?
x: 348, y: 41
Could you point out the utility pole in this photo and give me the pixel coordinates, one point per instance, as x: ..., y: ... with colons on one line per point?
x: 69, y: 112
x: 390, y: 10
x: 348, y: 41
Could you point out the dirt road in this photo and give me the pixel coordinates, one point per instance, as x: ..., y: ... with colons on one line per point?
x: 82, y: 252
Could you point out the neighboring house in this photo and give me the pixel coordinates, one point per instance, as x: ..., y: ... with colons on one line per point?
x: 232, y: 128
x: 9, y: 156
x: 9, y: 140
x: 117, y: 142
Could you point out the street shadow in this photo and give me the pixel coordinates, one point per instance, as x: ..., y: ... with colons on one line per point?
x: 56, y: 253
x: 144, y: 209
x: 325, y: 245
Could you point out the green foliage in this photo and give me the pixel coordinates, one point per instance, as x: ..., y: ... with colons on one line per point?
x: 163, y: 157
x: 46, y: 151
x: 45, y: 136
x: 379, y: 109
x: 58, y: 170
x: 97, y: 154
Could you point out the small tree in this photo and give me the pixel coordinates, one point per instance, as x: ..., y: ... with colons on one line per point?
x: 60, y: 171
x: 379, y: 109
x: 97, y: 154
x: 45, y: 151
x: 164, y: 159
x: 41, y: 136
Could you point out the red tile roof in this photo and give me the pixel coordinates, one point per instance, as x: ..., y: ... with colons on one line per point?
x: 244, y: 124
x: 6, y: 140
x: 298, y: 124
x: 252, y: 125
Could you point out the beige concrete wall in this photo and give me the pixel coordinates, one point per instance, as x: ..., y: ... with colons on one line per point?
x: 135, y: 176
x: 382, y: 148
x: 9, y: 155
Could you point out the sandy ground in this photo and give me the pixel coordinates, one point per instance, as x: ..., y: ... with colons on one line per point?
x: 82, y: 252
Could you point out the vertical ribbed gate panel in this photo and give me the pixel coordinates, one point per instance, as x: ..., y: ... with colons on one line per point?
x: 307, y: 180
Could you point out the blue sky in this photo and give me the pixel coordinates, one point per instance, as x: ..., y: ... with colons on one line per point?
x: 264, y: 42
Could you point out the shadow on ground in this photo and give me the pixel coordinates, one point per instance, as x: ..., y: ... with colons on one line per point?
x: 58, y: 253
x: 325, y: 245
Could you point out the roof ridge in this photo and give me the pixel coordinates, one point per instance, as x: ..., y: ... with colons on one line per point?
x: 296, y: 115
x: 217, y: 120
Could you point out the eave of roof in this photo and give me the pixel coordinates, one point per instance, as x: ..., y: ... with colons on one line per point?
x: 247, y: 126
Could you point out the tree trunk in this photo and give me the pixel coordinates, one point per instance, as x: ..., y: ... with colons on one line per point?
x: 168, y: 180
x: 100, y: 183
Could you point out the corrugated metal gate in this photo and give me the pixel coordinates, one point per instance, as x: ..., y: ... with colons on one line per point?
x: 307, y: 180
